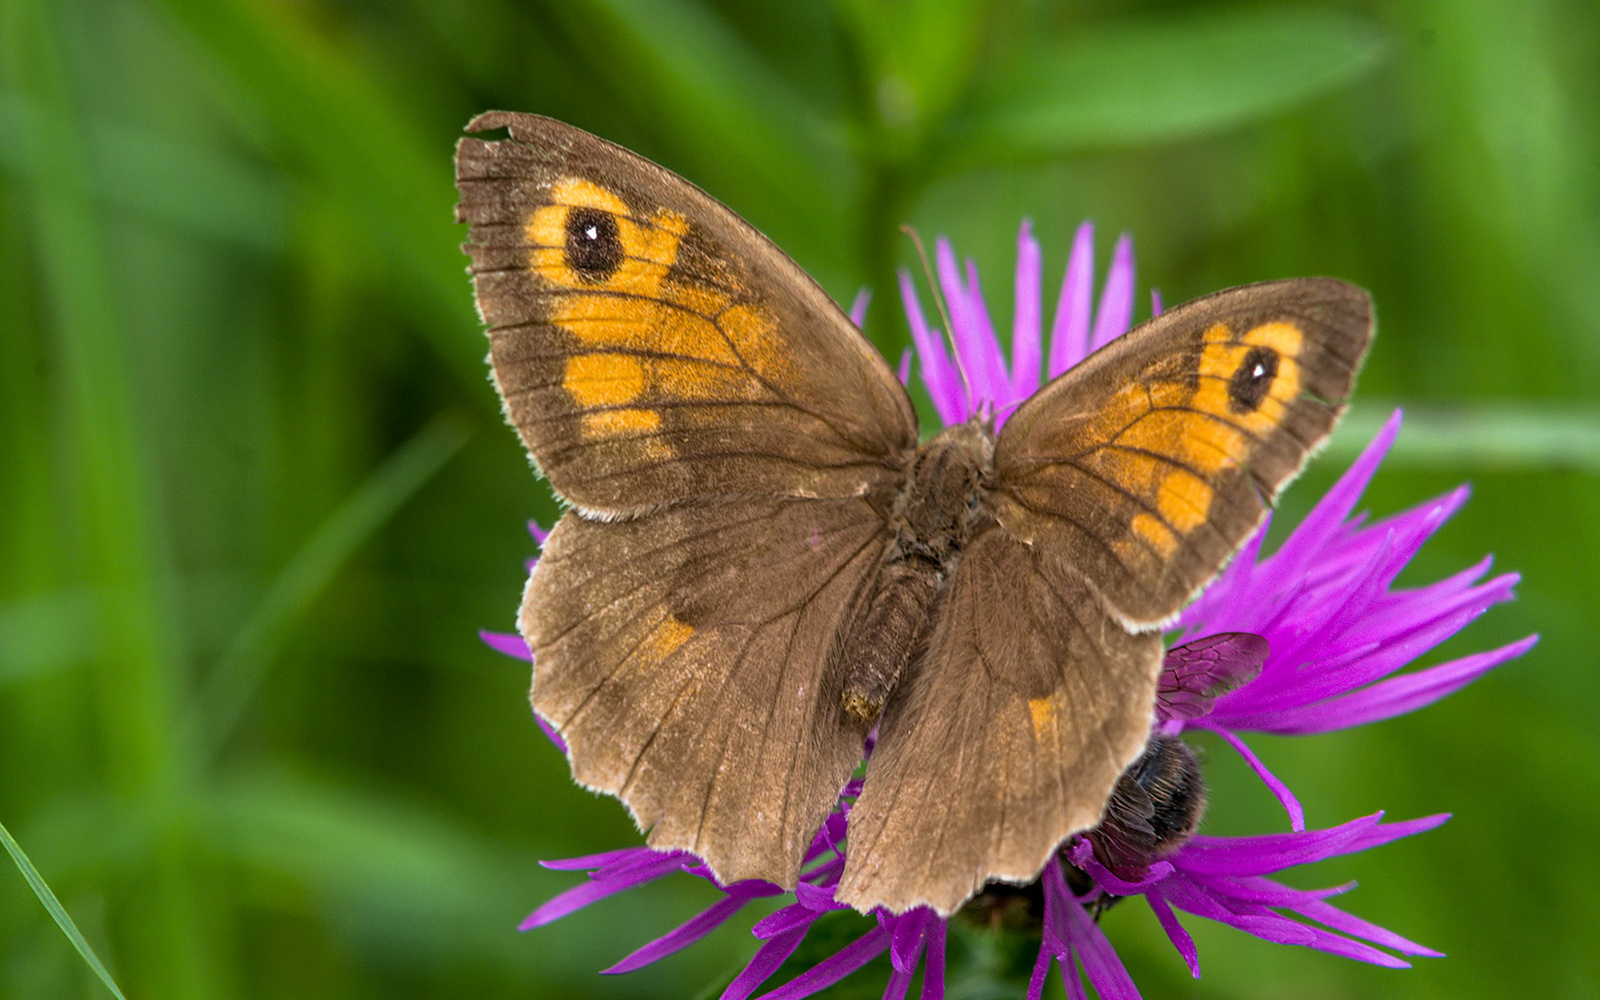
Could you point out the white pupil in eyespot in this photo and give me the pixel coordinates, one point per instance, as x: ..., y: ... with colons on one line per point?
x: 1260, y: 369
x: 593, y: 233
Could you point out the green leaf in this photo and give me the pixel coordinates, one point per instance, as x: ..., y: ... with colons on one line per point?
x: 57, y: 911
x: 1153, y: 81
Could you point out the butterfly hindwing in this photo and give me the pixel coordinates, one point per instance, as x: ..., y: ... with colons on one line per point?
x: 651, y: 346
x: 683, y: 656
x: 1144, y: 468
x: 1005, y: 738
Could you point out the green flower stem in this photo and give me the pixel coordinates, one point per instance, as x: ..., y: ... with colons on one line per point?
x: 1481, y: 437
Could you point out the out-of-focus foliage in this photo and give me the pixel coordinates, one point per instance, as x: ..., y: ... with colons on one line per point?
x: 256, y: 498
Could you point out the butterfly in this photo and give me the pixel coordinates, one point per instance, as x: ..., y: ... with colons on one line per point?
x: 762, y: 562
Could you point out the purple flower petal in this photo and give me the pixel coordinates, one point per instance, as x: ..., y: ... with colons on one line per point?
x: 1268, y: 925
x: 1259, y: 891
x: 909, y: 931
x: 1026, y: 349
x: 1254, y: 920
x: 979, y: 342
x: 688, y: 933
x: 817, y: 897
x: 592, y: 862
x: 1069, y: 931
x: 962, y: 326
x: 580, y: 896
x: 1286, y: 798
x: 767, y: 959
x: 1335, y: 944
x: 898, y: 985
x: 858, y: 308
x: 1069, y: 334
x: 1081, y: 854
x: 1175, y: 933
x: 904, y: 371
x: 1072, y: 979
x: 508, y: 643
x: 970, y: 329
x: 933, y: 963
x: 938, y: 373
x: 539, y: 533
x: 1266, y: 853
x: 1331, y: 916
x: 1116, y: 298
x: 1401, y: 694
x: 550, y: 732
x: 1099, y: 959
x: 1041, y: 970
x: 780, y: 922
x: 833, y: 968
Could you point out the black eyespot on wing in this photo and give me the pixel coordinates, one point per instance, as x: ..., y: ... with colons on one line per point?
x: 1252, y: 380
x: 594, y: 247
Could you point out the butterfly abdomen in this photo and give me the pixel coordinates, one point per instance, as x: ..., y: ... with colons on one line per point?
x: 937, y: 511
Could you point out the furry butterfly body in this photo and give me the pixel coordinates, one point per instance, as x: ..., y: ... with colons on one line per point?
x: 762, y: 563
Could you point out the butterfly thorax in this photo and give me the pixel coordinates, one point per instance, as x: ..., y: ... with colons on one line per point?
x: 938, y: 509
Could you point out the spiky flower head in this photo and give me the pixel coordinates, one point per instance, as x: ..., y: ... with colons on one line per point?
x: 1336, y: 632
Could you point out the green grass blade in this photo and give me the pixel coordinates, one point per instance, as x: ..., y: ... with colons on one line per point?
x: 1158, y: 80
x: 244, y: 662
x: 1505, y: 437
x: 57, y: 911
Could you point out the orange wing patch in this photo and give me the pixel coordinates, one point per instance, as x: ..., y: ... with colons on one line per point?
x: 1225, y: 362
x: 1170, y: 440
x: 652, y: 333
x: 665, y: 639
x: 1044, y: 713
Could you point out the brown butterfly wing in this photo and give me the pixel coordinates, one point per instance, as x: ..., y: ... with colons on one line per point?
x: 651, y: 346
x: 1145, y: 468
x: 683, y: 657
x: 730, y: 442
x: 1004, y: 739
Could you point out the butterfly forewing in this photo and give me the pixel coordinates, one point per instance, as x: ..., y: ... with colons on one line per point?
x: 649, y: 345
x: 1144, y: 469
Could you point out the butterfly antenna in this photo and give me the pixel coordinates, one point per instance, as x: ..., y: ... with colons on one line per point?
x: 944, y: 313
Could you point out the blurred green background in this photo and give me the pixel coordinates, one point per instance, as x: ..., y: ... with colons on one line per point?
x: 256, y: 497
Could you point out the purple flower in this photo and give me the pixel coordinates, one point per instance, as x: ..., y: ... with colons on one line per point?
x: 1336, y: 636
